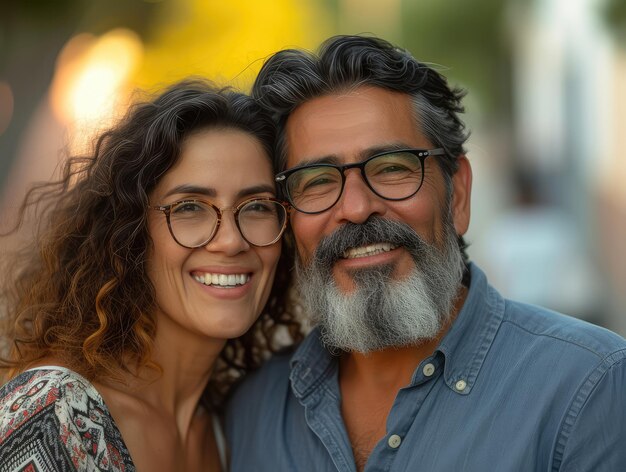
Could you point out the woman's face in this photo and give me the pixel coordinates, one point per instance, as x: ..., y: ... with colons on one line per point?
x: 224, y: 167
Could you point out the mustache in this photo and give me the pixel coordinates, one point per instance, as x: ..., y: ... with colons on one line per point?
x: 375, y: 230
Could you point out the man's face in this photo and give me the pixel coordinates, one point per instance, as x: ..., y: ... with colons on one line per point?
x: 349, y: 127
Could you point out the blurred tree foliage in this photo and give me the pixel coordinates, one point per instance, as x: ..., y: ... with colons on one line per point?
x: 465, y: 41
x: 615, y: 14
x: 468, y: 41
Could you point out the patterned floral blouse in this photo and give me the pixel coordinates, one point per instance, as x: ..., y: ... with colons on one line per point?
x: 52, y: 420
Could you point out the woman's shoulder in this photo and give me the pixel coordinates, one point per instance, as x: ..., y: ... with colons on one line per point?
x: 51, y: 418
x: 45, y: 390
x: 34, y: 389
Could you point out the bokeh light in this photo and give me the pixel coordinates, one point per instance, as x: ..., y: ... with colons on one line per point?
x: 92, y: 77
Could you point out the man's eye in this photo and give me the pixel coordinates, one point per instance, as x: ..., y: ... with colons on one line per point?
x: 317, y: 181
x: 393, y: 168
x: 394, y: 165
x: 322, y: 180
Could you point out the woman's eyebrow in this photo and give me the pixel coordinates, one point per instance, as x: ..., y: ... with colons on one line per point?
x: 246, y: 192
x: 188, y: 188
x: 211, y: 192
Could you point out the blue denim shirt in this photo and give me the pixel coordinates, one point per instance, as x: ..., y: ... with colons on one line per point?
x: 511, y: 387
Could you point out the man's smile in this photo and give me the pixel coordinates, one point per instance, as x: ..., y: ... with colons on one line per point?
x: 369, y: 250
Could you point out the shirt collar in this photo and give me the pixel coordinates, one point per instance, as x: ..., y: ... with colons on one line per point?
x: 466, y: 344
x: 464, y: 347
x: 310, y: 364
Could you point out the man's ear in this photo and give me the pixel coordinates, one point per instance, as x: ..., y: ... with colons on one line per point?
x: 461, y: 195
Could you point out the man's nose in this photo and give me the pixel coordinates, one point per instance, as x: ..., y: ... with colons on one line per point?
x: 357, y: 202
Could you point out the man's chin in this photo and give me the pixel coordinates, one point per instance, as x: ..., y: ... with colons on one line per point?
x: 344, y: 280
x: 347, y: 280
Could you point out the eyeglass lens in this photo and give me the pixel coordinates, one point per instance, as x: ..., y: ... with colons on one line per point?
x: 393, y: 176
x: 194, y: 224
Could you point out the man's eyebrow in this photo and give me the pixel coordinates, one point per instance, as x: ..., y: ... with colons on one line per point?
x: 311, y: 161
x: 364, y: 154
x: 380, y: 148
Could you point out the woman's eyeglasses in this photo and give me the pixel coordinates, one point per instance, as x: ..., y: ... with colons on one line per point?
x: 193, y: 223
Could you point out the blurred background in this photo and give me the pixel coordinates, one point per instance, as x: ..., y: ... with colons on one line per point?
x: 546, y: 104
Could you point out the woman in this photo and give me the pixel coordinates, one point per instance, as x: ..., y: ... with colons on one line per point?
x: 138, y: 305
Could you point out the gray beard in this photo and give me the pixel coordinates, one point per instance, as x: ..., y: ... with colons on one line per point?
x: 382, y: 312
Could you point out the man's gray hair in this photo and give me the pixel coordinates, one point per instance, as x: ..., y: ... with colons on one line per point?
x: 292, y: 77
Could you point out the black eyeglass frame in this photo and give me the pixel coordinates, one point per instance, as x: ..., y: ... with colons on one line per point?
x: 282, y: 177
x: 166, y: 209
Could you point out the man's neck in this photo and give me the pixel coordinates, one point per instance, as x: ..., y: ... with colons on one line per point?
x: 387, y: 369
x: 370, y: 382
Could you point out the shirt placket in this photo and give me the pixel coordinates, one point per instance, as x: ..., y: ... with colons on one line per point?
x: 405, y: 409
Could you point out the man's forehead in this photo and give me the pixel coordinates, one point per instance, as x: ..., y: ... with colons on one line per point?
x: 347, y: 125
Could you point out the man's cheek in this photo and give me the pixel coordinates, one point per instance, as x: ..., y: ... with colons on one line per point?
x: 305, y: 246
x: 303, y: 255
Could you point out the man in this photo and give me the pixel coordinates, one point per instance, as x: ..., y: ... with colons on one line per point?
x: 415, y: 362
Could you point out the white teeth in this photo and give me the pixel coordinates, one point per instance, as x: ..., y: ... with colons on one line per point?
x: 371, y: 250
x: 223, y: 280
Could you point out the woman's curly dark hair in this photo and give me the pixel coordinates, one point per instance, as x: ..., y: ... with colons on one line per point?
x: 79, y: 292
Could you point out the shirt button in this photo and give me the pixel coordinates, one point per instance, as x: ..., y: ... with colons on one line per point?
x: 460, y: 385
x: 428, y: 370
x: 394, y: 441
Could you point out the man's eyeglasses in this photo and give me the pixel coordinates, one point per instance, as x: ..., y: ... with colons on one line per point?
x: 392, y: 175
x: 194, y: 223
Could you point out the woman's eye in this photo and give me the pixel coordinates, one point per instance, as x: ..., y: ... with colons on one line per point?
x: 188, y: 207
x: 257, y: 207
